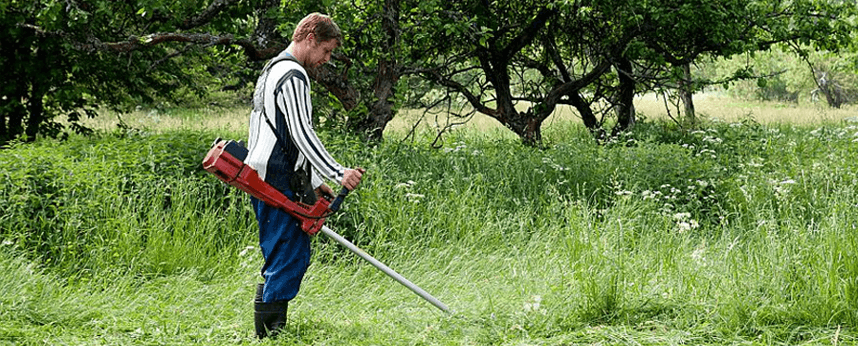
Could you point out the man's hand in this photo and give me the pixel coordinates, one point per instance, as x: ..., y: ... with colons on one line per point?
x: 352, y: 177
x: 324, y: 191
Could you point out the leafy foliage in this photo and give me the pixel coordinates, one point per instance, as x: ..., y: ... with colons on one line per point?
x: 70, y: 58
x: 73, y: 57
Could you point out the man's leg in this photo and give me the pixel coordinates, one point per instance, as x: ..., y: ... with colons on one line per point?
x: 286, y: 250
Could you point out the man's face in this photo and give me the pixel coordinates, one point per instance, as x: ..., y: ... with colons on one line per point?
x: 319, y: 52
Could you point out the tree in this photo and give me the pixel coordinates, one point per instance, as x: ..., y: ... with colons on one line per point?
x: 70, y: 57
x: 490, y: 56
x: 374, y: 49
x: 676, y: 34
x: 513, y: 61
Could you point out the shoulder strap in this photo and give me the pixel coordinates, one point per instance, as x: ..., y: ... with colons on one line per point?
x: 265, y: 70
x: 301, y: 181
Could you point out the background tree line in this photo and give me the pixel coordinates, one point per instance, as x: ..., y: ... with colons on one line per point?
x: 514, y: 61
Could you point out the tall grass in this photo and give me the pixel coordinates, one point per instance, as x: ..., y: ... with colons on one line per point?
x: 128, y: 204
x: 739, y: 233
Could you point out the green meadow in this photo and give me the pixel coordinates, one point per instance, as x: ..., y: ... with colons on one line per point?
x: 743, y: 231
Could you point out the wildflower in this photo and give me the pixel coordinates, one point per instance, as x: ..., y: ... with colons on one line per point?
x: 459, y: 147
x: 684, y: 222
x: 713, y: 140
x: 698, y: 255
x: 533, y: 304
x: 414, y: 197
x: 404, y: 185
x: 681, y: 216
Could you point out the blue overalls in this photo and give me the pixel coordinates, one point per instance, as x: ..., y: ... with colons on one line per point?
x: 285, y: 248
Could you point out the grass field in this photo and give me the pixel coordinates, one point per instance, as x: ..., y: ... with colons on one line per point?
x: 739, y: 233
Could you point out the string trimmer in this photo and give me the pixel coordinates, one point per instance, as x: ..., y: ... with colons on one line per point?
x: 226, y: 161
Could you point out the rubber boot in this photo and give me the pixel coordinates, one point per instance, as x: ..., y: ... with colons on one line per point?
x: 268, y: 317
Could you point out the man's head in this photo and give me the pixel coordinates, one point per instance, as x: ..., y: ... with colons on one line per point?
x: 315, y: 38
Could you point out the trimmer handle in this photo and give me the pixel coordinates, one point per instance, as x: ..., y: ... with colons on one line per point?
x: 339, y: 200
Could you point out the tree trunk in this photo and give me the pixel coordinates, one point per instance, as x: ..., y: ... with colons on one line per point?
x: 38, y: 89
x: 625, y: 98
x: 265, y: 33
x: 381, y: 111
x: 590, y: 121
x: 831, y: 90
x: 15, y: 93
x: 36, y: 111
x: 686, y: 94
x: 387, y: 76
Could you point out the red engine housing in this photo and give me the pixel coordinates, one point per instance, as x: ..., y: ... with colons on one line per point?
x: 221, y: 161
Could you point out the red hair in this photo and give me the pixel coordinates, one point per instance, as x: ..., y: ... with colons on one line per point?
x: 321, y: 26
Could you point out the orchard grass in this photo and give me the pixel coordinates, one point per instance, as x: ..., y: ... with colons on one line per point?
x: 741, y: 232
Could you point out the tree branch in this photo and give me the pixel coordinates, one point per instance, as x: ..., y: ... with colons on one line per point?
x: 528, y: 34
x: 206, y: 15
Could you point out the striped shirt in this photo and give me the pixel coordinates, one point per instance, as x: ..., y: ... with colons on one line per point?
x: 283, y: 95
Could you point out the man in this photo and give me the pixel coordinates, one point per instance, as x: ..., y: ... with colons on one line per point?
x: 286, y: 152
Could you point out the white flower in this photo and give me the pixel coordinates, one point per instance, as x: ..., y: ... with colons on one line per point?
x: 698, y: 255
x: 414, y: 197
x: 713, y: 140
x: 406, y: 184
x: 533, y: 304
x: 681, y: 216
